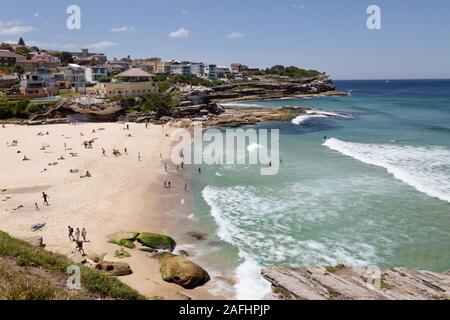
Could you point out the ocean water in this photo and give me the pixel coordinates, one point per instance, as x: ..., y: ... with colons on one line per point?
x: 376, y: 192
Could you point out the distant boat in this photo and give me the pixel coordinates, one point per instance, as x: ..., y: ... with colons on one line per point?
x: 387, y: 81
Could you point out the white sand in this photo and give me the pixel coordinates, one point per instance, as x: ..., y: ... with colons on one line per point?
x: 123, y: 194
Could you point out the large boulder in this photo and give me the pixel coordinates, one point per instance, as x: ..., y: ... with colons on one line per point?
x: 117, y: 269
x: 96, y: 256
x: 179, y: 270
x: 123, y: 238
x: 156, y: 241
x: 76, y: 257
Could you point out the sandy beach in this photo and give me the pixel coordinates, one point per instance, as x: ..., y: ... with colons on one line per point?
x: 123, y: 194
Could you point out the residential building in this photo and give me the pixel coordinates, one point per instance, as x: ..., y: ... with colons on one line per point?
x: 9, y: 59
x: 134, y: 83
x: 106, y: 90
x: 76, y: 75
x: 7, y: 81
x: 135, y: 75
x: 40, y: 83
x: 211, y: 71
x: 61, y: 82
x: 238, y: 67
x: 32, y: 65
x: 157, y: 65
x: 223, y: 72
x: 45, y: 57
x: 88, y: 56
x: 94, y: 74
x: 198, y: 69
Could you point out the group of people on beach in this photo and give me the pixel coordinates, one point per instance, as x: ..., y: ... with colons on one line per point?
x: 79, y: 237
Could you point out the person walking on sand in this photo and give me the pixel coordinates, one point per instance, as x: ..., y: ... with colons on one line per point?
x: 84, y: 234
x: 104, y: 152
x: 165, y: 184
x: 77, y: 234
x: 169, y: 185
x: 199, y: 170
x: 45, y: 197
x: 185, y: 186
x: 165, y: 167
x: 139, y: 156
x: 36, y: 207
x: 80, y: 247
x: 71, y: 237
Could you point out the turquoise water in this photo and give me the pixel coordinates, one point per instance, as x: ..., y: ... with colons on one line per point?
x: 377, y: 192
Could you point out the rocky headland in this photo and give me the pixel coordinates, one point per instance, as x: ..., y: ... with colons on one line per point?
x: 350, y: 283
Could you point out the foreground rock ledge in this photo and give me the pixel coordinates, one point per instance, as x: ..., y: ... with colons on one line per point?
x: 348, y: 283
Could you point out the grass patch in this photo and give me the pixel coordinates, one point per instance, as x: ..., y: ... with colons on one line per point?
x: 69, y: 94
x: 93, y: 281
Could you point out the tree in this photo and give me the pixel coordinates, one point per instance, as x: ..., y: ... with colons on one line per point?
x: 21, y: 42
x: 24, y: 51
x: 161, y: 103
x: 65, y: 58
x: 18, y: 69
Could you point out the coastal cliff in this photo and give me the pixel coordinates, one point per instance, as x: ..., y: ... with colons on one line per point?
x: 348, y: 283
x: 258, y: 88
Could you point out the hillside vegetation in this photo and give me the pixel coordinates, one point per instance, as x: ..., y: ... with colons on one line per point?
x: 30, y: 273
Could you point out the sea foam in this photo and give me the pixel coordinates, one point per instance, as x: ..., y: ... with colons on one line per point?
x: 312, y: 114
x: 427, y: 169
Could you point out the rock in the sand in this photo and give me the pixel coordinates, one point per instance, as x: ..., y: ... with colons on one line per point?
x: 95, y: 256
x: 117, y: 269
x: 122, y: 254
x: 76, y: 257
x: 156, y: 241
x: 125, y: 239
x: 198, y: 235
x: 35, y: 241
x: 179, y: 270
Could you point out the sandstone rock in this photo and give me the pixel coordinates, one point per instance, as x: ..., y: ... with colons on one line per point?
x: 179, y: 270
x: 117, y: 269
x: 95, y: 256
x: 347, y: 283
x: 76, y: 257
x: 156, y: 241
x: 125, y: 239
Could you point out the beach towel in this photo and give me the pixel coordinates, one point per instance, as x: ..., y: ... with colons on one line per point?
x: 37, y: 226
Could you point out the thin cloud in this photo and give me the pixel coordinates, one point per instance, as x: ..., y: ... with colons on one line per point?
x: 14, y: 28
x: 180, y: 33
x: 235, y: 35
x: 298, y: 6
x: 101, y: 45
x: 37, y: 14
x: 184, y: 12
x: 123, y: 29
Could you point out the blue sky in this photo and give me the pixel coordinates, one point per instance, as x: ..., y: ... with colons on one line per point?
x: 330, y: 36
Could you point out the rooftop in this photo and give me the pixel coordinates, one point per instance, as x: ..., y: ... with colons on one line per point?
x: 134, y: 73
